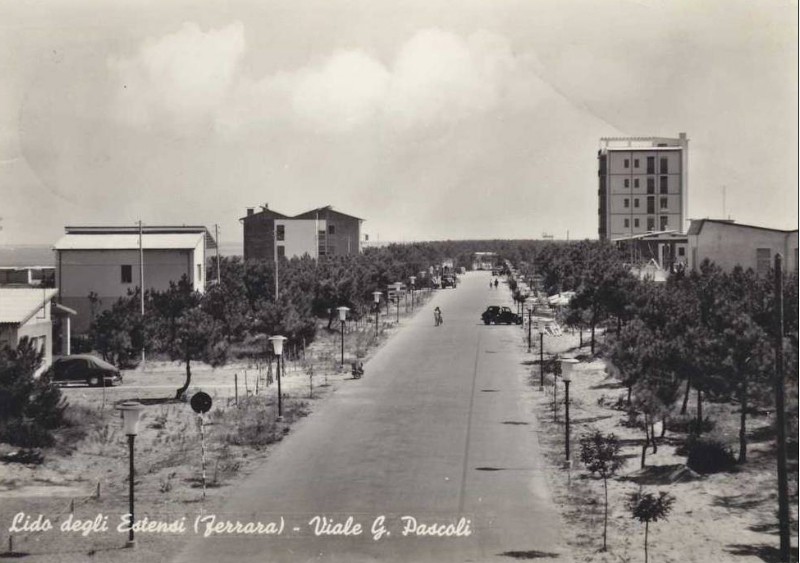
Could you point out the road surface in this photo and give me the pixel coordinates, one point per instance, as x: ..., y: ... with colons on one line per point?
x: 437, y: 430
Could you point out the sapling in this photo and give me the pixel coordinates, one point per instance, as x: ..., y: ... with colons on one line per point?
x: 647, y: 507
x: 600, y: 454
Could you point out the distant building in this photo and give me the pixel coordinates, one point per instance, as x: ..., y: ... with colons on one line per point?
x: 319, y: 232
x: 667, y: 250
x: 26, y: 311
x: 42, y: 276
x: 729, y: 244
x: 483, y: 260
x: 105, y: 261
x: 643, y: 185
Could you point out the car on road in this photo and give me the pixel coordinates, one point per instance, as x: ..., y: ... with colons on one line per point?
x: 449, y: 280
x: 84, y: 368
x: 500, y: 315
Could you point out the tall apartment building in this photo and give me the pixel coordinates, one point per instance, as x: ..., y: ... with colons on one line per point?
x: 643, y: 185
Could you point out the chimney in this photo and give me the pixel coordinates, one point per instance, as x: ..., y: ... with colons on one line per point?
x: 265, y: 207
x: 250, y: 211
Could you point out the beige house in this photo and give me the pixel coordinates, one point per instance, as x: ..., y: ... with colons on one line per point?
x: 108, y: 262
x: 729, y: 244
x: 26, y: 311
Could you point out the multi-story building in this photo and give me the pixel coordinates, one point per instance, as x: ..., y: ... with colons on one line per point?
x: 319, y: 232
x: 643, y: 185
x: 107, y: 262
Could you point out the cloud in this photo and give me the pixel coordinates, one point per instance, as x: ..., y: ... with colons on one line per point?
x: 182, y: 77
x: 191, y: 76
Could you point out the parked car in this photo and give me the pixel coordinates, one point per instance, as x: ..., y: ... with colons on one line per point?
x: 449, y: 280
x: 500, y: 315
x: 84, y: 368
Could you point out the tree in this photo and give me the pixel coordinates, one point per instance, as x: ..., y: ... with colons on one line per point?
x: 118, y: 333
x: 600, y: 454
x: 650, y: 508
x: 182, y: 329
x: 30, y: 407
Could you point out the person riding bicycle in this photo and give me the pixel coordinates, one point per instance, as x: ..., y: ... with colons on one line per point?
x: 437, y: 316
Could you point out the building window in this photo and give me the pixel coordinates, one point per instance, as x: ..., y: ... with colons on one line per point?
x: 126, y: 273
x: 651, y: 165
x: 636, y: 223
x: 626, y: 203
x: 651, y: 185
x: 627, y: 163
x: 762, y: 260
x: 636, y: 163
x: 663, y: 220
x: 626, y: 183
x: 281, y: 251
x: 663, y: 184
x: 280, y: 232
x: 331, y: 251
x: 663, y: 203
x: 651, y: 204
x: 664, y: 166
x: 681, y: 251
x: 651, y: 223
x: 636, y: 202
x: 331, y: 229
x: 199, y: 272
x: 636, y: 182
x: 627, y: 223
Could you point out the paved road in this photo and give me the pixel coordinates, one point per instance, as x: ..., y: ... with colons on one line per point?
x: 438, y: 429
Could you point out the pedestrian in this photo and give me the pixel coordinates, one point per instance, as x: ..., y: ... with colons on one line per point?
x: 437, y: 316
x: 490, y: 284
x: 495, y: 283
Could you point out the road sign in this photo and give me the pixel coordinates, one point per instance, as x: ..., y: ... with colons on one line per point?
x: 200, y: 402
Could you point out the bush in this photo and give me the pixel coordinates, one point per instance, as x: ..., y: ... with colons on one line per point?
x: 685, y: 424
x: 709, y: 455
x: 25, y: 433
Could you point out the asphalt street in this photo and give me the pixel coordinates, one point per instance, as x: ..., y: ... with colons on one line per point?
x: 438, y: 430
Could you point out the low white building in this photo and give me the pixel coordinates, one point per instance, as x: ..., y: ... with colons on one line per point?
x: 729, y: 244
x: 26, y: 311
x: 108, y: 262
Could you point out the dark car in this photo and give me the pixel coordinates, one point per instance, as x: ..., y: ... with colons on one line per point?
x: 500, y: 315
x: 84, y: 368
x: 448, y: 281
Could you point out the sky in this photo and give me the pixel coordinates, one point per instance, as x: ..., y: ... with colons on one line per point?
x: 430, y: 119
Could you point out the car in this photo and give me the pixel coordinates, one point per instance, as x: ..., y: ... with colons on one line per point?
x: 84, y: 368
x: 448, y: 281
x: 500, y: 315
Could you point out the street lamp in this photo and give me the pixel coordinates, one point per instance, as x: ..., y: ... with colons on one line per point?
x: 131, y: 411
x: 342, y: 318
x: 413, y: 283
x: 567, y: 365
x: 277, y: 347
x: 377, y: 296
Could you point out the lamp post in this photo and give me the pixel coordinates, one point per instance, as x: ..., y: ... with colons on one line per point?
x: 131, y: 411
x: 277, y: 347
x: 342, y: 318
x: 567, y: 364
x: 377, y: 296
x: 413, y: 283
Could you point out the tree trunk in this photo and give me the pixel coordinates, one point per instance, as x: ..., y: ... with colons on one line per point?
x: 605, y: 515
x: 653, y: 436
x: 686, y: 394
x: 743, y: 423
x: 619, y: 326
x: 646, y: 439
x: 186, y: 383
x: 630, y: 390
x: 646, y: 531
x: 699, y: 411
x: 663, y: 426
x: 593, y: 323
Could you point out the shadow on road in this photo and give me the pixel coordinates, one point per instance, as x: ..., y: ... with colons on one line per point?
x: 767, y: 553
x: 532, y: 554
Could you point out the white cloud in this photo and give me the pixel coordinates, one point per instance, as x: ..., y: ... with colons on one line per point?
x: 182, y: 77
x: 193, y: 76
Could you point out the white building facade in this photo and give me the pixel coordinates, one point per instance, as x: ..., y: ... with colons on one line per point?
x: 110, y: 262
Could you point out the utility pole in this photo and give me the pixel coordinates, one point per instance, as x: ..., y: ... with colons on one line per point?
x: 216, y: 238
x: 141, y: 279
x: 530, y: 323
x: 541, y: 360
x: 780, y: 417
x: 275, y: 253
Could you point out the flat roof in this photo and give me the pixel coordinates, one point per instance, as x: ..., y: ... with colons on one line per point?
x: 146, y: 229
x: 696, y: 225
x: 150, y: 241
x: 19, y: 304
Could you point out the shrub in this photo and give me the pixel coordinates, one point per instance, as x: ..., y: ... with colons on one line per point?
x: 686, y: 424
x: 709, y: 455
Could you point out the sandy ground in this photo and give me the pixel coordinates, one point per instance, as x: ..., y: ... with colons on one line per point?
x: 88, y: 479
x: 721, y: 517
